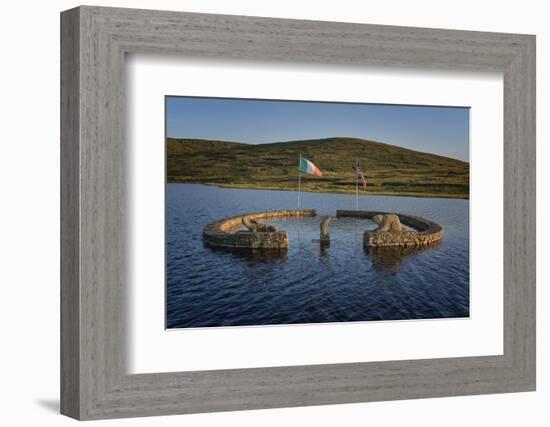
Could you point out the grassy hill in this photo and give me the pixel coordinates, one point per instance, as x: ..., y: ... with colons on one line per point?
x: 389, y: 169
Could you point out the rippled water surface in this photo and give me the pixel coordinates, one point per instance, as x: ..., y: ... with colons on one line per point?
x: 308, y: 283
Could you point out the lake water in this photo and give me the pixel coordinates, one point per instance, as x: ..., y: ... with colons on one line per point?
x: 307, y: 284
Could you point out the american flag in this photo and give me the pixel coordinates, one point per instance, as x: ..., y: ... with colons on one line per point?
x: 359, y: 173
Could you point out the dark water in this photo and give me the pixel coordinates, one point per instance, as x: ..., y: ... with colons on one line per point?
x: 343, y: 282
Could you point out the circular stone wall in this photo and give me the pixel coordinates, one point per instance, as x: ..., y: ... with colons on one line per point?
x: 224, y: 234
x: 426, y: 232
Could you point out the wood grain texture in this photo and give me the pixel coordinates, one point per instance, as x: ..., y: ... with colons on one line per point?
x: 95, y: 383
x: 70, y: 292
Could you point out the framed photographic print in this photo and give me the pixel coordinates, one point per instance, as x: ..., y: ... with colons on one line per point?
x: 322, y: 258
x: 262, y: 213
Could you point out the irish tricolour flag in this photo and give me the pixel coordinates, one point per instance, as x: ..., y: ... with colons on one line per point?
x: 308, y: 167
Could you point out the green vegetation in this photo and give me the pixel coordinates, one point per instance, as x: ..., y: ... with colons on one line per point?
x: 389, y: 170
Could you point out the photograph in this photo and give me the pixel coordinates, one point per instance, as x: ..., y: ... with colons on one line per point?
x: 286, y: 212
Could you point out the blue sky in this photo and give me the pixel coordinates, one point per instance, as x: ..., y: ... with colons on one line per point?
x: 439, y: 130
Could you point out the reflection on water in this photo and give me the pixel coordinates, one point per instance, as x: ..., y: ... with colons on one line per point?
x: 382, y: 258
x: 390, y: 258
x: 310, y: 282
x: 324, y: 246
x: 253, y: 256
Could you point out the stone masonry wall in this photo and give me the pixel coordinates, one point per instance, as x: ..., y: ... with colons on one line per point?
x: 427, y: 232
x: 223, y: 233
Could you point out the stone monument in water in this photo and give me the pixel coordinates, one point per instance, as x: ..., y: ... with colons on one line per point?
x: 388, y: 222
x: 257, y: 227
x: 324, y: 234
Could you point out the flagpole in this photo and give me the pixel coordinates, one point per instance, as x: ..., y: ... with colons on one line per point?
x: 299, y: 178
x: 356, y: 186
x: 365, y: 185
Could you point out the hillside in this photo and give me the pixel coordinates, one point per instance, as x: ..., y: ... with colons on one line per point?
x: 388, y: 169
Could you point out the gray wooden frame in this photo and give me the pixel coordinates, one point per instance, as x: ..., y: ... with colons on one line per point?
x: 94, y: 382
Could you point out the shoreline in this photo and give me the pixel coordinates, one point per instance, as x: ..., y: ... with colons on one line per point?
x: 352, y: 192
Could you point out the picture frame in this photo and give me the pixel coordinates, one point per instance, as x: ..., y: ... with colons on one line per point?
x: 94, y: 380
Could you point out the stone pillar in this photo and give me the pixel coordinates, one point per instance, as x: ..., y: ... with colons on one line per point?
x: 324, y: 235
